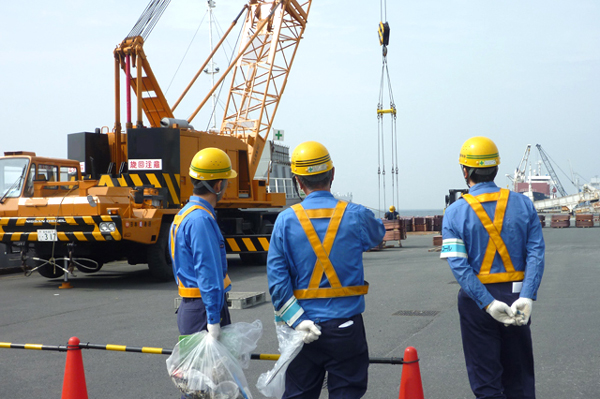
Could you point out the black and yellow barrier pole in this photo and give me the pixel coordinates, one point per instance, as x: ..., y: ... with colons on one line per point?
x: 123, y: 348
x: 162, y: 351
x: 372, y: 360
x: 9, y: 345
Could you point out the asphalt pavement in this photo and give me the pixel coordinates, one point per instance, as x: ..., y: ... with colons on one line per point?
x: 411, y: 302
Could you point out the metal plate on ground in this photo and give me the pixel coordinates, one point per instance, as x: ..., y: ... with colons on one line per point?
x: 238, y: 300
x: 416, y: 313
x: 243, y: 300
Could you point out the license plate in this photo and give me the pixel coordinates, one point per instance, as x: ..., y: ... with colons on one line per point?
x: 47, y: 235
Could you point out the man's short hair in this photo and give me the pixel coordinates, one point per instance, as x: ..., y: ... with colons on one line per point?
x: 200, y: 189
x: 316, y: 182
x: 482, y: 175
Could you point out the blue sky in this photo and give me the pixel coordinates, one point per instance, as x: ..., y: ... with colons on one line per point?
x: 520, y: 72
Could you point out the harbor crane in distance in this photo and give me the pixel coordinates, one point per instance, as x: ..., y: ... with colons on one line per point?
x: 519, y: 175
x: 550, y: 169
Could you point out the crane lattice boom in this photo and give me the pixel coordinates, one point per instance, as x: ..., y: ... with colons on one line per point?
x: 550, y: 169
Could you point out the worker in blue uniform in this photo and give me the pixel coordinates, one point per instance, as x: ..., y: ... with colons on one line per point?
x: 493, y: 242
x: 316, y: 280
x: 392, y: 214
x: 198, y: 249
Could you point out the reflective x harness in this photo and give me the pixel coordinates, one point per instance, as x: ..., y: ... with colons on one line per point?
x: 191, y: 292
x: 495, y: 243
x: 322, y: 250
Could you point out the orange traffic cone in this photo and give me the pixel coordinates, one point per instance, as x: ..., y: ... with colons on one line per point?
x: 74, y: 382
x: 411, y: 386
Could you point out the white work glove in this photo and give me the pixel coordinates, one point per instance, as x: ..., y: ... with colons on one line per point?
x: 501, y: 312
x: 214, y: 330
x: 522, y: 310
x: 311, y: 329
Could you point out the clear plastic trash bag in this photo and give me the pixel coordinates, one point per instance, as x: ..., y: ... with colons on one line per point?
x: 205, y: 368
x: 241, y: 339
x: 272, y: 383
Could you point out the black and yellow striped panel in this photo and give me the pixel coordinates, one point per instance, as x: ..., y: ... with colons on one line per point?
x: 247, y: 244
x: 158, y: 180
x: 69, y: 228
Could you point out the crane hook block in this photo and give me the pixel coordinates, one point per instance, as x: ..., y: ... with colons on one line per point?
x: 384, y: 33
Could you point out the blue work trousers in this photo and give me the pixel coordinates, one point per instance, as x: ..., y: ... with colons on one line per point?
x: 342, y: 352
x: 499, y: 359
x: 191, y: 316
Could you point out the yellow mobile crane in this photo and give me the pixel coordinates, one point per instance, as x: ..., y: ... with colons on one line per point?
x: 116, y: 196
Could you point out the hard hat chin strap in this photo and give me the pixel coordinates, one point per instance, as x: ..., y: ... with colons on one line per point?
x: 469, y: 173
x: 295, y: 184
x: 212, y: 190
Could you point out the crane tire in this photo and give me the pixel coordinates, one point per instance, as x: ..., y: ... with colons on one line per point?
x: 159, y: 258
x: 49, y: 271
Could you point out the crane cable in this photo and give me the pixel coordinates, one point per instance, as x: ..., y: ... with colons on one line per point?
x: 147, y: 21
x: 223, y: 83
x: 384, y: 35
x: 186, y: 52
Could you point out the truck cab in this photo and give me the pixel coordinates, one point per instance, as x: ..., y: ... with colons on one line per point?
x: 25, y: 175
x: 24, y: 180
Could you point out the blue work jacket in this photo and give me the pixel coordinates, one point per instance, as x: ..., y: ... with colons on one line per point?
x: 291, y: 260
x: 200, y: 257
x: 465, y: 241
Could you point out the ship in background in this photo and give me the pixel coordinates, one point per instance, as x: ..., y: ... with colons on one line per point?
x: 547, y: 192
x: 595, y: 182
x: 536, y: 185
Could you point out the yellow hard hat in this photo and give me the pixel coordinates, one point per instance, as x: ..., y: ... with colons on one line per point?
x: 311, y: 158
x: 479, y: 152
x: 211, y: 164
x: 392, y: 208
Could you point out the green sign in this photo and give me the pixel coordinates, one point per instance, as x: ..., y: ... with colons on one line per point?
x: 278, y: 134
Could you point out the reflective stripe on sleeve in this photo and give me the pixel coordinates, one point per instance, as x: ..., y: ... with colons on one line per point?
x: 290, y: 312
x: 453, y: 248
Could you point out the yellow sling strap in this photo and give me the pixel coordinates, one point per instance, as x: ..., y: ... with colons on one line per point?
x: 323, y: 264
x: 192, y: 292
x: 495, y: 243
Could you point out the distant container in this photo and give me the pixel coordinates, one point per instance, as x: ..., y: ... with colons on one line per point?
x: 437, y: 226
x: 419, y: 224
x: 406, y: 223
x: 434, y: 223
x: 542, y: 220
x: 560, y: 221
x: 584, y: 220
